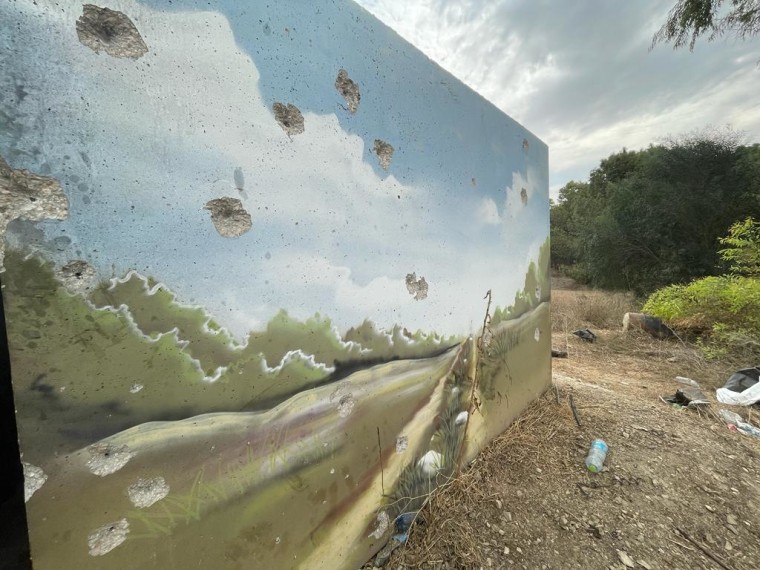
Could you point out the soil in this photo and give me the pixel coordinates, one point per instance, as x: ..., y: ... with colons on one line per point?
x: 678, y: 490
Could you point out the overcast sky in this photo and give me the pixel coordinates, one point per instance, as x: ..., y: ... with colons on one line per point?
x: 579, y: 74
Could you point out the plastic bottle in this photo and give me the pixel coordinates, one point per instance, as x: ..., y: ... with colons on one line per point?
x: 596, y: 455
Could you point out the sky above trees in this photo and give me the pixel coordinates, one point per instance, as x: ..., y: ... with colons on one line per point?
x: 580, y: 74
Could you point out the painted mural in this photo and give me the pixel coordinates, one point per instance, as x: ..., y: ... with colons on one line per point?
x: 270, y: 276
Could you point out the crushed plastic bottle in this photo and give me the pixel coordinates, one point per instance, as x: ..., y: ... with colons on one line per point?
x: 596, y: 455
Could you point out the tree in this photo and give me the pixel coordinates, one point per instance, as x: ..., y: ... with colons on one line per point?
x: 743, y: 251
x: 649, y: 218
x: 690, y: 19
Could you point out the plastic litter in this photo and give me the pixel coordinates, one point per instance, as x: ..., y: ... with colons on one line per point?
x: 596, y: 455
x: 735, y: 420
x: 741, y: 389
x: 585, y: 334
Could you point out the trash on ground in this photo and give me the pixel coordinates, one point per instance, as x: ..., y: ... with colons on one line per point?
x: 559, y: 353
x: 596, y: 455
x: 741, y: 389
x: 687, y: 381
x: 688, y: 397
x: 647, y: 323
x: 585, y: 334
x: 734, y: 420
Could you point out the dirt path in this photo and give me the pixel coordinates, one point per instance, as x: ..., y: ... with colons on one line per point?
x: 527, y: 501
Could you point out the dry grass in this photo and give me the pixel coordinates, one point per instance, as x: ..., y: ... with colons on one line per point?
x: 449, y: 528
x: 587, y: 308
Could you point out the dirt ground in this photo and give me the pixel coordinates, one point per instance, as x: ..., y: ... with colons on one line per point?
x: 679, y: 490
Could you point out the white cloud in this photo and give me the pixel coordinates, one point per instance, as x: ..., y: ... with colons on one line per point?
x: 488, y: 212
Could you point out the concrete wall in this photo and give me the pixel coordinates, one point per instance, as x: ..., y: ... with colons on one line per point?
x: 270, y: 275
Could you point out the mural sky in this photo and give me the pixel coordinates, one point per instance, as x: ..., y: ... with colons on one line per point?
x: 141, y: 146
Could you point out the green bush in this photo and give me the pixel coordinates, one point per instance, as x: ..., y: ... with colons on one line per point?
x: 724, y: 311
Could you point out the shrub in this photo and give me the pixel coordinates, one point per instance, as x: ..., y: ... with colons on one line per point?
x: 724, y: 311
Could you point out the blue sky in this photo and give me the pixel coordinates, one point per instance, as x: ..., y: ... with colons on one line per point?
x: 141, y: 146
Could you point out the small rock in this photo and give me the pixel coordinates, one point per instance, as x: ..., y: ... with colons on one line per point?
x: 506, y: 550
x: 508, y: 516
x: 499, y: 503
x: 519, y: 550
x: 644, y: 564
x: 728, y: 546
x: 733, y: 529
x: 709, y: 508
x: 625, y: 559
x: 731, y: 519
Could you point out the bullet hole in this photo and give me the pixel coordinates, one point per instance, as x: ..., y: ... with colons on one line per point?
x: 348, y: 90
x: 34, y: 478
x: 239, y: 179
x: 474, y: 182
x: 106, y: 458
x: 418, y: 288
x: 77, y: 276
x: 537, y: 335
x: 289, y: 118
x: 537, y: 292
x: 384, y: 152
x: 524, y: 196
x: 146, y: 492
x: 27, y: 196
x: 110, y: 31
x: 402, y: 442
x: 229, y: 217
x: 346, y: 405
x: 104, y: 539
x: 381, y: 526
x: 525, y: 145
x: 135, y: 388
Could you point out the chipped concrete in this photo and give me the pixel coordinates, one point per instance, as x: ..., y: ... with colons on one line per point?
x: 524, y: 196
x: 289, y: 118
x: 348, y: 90
x: 106, y: 458
x: 402, y: 442
x: 537, y: 335
x: 384, y: 152
x: 229, y: 217
x: 381, y: 525
x: 77, y: 276
x: 27, y: 196
x: 525, y: 145
x: 135, y: 388
x: 346, y: 405
x: 146, y: 492
x: 111, y: 31
x: 416, y: 287
x: 34, y: 479
x: 104, y: 539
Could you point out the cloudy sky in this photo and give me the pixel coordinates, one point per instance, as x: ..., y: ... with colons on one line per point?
x: 579, y: 73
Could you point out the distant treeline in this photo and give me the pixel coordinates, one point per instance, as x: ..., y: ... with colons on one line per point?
x: 650, y: 218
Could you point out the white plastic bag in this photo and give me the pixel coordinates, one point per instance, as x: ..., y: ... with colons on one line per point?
x: 750, y: 396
